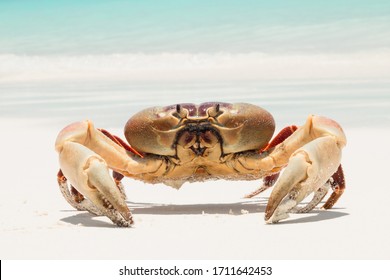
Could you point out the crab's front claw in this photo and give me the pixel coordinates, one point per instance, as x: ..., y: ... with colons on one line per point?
x: 288, y: 191
x: 89, y: 175
x: 313, y: 168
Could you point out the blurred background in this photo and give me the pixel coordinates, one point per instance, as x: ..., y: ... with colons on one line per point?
x: 63, y: 61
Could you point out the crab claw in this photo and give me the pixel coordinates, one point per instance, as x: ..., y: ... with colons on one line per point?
x: 89, y: 174
x: 309, y: 168
x: 293, y: 186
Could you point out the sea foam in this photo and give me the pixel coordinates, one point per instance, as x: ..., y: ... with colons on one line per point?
x: 195, y: 66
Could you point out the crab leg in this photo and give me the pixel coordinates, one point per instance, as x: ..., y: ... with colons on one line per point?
x: 309, y: 167
x: 317, y: 198
x: 118, y: 181
x: 337, y: 182
x: 270, y: 180
x: 86, y: 155
x: 282, y: 135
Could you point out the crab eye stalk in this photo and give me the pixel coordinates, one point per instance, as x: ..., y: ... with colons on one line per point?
x: 214, y: 111
x: 181, y: 112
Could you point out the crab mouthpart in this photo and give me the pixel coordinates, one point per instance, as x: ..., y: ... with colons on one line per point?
x: 198, y: 138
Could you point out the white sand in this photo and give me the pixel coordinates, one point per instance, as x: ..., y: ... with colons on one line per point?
x: 201, y: 221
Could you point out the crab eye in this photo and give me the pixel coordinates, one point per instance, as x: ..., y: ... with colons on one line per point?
x: 181, y: 112
x: 214, y: 111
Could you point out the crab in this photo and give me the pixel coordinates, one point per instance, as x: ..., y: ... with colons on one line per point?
x: 189, y: 143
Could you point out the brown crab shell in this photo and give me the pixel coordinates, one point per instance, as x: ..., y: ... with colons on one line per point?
x: 241, y: 126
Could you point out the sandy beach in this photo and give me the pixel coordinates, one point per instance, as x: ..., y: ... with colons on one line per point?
x: 200, y: 221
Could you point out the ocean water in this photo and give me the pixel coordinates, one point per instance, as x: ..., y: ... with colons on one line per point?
x: 152, y: 26
x: 63, y: 61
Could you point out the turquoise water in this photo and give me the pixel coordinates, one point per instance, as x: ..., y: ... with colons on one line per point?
x: 119, y: 26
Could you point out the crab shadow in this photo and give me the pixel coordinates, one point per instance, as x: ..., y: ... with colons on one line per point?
x: 236, y: 208
x: 85, y: 219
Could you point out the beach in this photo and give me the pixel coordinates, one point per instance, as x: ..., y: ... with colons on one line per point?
x: 207, y: 220
x: 68, y: 61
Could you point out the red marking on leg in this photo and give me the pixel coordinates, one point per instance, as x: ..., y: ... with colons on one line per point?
x: 118, y: 182
x: 60, y: 177
x: 270, y: 180
x: 338, y: 186
x: 282, y: 135
x: 117, y: 176
x: 78, y: 197
x: 120, y: 142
